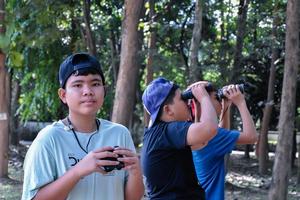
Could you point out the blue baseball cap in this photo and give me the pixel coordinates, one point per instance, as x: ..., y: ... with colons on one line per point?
x: 154, y: 96
x: 75, y: 62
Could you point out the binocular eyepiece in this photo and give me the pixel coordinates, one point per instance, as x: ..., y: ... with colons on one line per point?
x: 209, y: 88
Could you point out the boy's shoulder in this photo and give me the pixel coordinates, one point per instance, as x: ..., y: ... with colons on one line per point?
x: 106, y: 124
x: 51, y: 130
x: 172, y: 124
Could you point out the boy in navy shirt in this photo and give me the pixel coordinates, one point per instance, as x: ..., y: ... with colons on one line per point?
x: 166, y: 154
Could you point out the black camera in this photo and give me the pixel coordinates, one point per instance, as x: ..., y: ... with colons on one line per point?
x: 109, y: 168
x: 209, y: 88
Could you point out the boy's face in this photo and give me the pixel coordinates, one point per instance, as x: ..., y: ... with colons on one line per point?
x: 179, y: 107
x: 84, y: 95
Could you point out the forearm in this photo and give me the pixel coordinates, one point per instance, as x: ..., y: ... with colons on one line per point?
x: 201, y: 132
x: 208, y: 111
x: 249, y: 131
x: 225, y: 118
x: 134, y: 188
x: 60, y: 188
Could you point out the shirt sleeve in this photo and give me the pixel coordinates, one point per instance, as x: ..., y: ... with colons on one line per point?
x: 39, y: 168
x: 225, y: 141
x: 175, y: 135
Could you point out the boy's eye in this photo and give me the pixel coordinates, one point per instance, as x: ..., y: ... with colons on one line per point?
x: 77, y: 85
x: 97, y: 84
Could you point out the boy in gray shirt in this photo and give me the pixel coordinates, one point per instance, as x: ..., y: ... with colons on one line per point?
x: 82, y: 157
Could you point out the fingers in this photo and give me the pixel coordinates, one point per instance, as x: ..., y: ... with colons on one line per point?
x: 110, y: 156
x: 129, y: 158
x: 231, y: 90
x: 205, y: 83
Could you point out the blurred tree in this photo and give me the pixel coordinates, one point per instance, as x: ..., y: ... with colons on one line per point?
x: 152, y: 49
x: 195, y: 72
x: 268, y: 105
x: 129, y: 66
x: 4, y: 115
x: 281, y: 172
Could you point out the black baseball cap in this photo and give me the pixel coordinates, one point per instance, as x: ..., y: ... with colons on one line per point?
x: 78, y: 62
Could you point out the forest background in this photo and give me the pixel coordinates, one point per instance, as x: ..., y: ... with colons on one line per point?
x: 254, y: 42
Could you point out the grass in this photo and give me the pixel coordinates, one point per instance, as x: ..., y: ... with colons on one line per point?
x: 11, y: 188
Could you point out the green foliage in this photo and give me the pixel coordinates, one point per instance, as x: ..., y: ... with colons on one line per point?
x: 40, y: 34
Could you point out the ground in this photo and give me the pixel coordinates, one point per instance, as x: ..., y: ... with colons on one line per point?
x: 242, y: 181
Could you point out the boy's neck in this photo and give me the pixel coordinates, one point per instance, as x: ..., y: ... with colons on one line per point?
x: 83, y: 124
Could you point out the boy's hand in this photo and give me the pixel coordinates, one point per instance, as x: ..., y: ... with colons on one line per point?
x: 198, y: 89
x: 233, y: 94
x: 93, y: 161
x: 130, y: 159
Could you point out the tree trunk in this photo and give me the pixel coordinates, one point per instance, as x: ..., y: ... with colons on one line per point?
x: 8, y: 97
x: 298, y: 171
x: 129, y: 67
x: 151, y: 52
x: 281, y: 168
x: 14, y: 122
x: 263, y: 137
x: 114, y: 56
x: 240, y: 34
x: 88, y: 32
x: 3, y: 103
x: 195, y: 70
x: 223, y: 50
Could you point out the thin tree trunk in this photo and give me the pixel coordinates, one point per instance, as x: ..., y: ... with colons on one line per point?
x: 263, y: 143
x: 8, y: 97
x: 88, y: 32
x: 240, y: 34
x: 194, y: 68
x: 298, y: 171
x: 114, y: 56
x: 129, y: 67
x: 15, y: 94
x: 282, y: 168
x: 3, y: 103
x: 151, y: 52
x: 223, y: 50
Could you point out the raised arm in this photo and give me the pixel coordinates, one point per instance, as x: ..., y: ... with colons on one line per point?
x: 248, y: 135
x: 201, y: 132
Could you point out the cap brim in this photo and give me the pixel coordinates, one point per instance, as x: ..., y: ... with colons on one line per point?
x: 152, y: 119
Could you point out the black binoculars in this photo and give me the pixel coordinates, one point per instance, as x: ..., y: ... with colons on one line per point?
x: 209, y: 88
x: 109, y: 168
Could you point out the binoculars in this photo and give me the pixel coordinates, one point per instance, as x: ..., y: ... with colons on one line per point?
x: 209, y: 88
x: 109, y: 168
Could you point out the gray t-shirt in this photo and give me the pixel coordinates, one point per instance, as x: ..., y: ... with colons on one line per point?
x: 55, y: 150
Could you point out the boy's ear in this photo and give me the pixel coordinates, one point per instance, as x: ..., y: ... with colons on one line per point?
x: 167, y: 109
x: 62, y: 95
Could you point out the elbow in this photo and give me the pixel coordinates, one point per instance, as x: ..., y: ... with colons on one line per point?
x: 252, y: 138
x: 255, y: 138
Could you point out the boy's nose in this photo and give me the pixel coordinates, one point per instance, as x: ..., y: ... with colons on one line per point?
x: 87, y: 90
